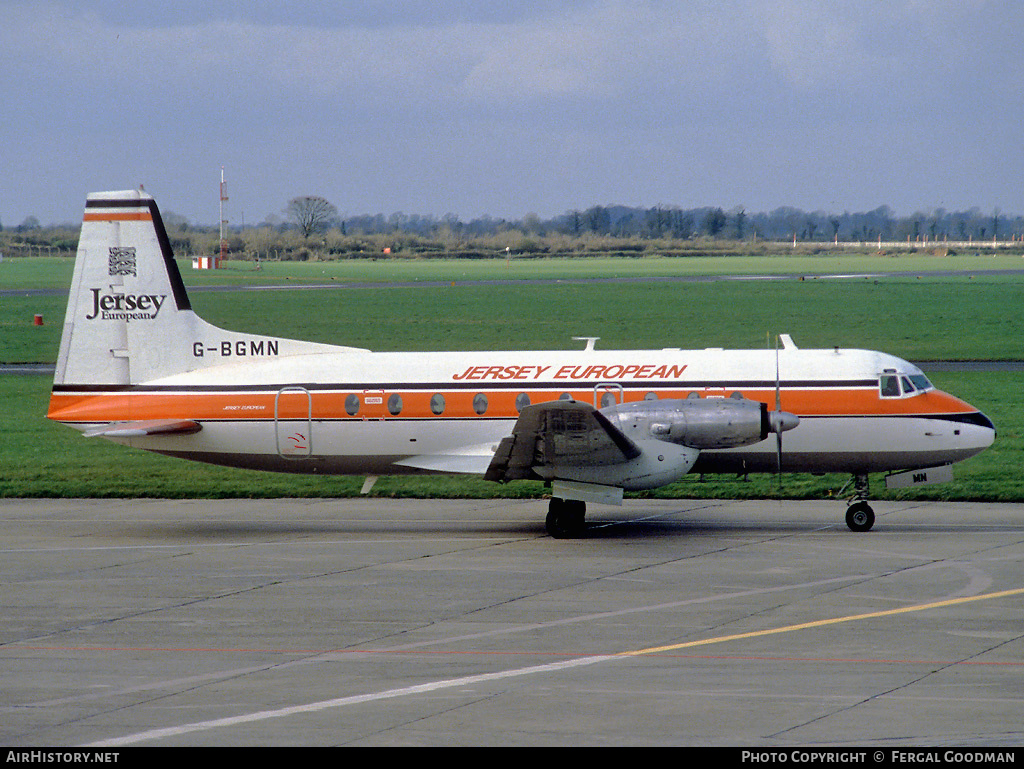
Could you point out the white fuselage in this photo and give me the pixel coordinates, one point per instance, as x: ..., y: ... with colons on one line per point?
x: 385, y: 413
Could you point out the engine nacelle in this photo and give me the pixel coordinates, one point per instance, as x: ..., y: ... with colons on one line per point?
x: 658, y: 464
x: 699, y: 423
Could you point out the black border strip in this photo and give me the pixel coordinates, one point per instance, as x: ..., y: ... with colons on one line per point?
x: 173, y: 273
x: 975, y: 418
x: 631, y: 385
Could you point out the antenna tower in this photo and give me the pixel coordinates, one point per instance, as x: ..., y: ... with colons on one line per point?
x: 223, y: 221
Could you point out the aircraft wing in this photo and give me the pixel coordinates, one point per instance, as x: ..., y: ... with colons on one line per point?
x: 150, y: 427
x: 559, y: 434
x: 472, y: 460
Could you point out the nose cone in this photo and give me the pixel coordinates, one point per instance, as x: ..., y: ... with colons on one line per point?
x: 986, y: 431
x: 984, y: 421
x: 975, y: 433
x: 966, y: 431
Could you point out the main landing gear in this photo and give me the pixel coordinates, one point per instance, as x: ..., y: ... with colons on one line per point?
x: 565, y: 518
x: 859, y: 515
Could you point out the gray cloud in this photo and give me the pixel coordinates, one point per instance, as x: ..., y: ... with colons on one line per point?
x: 507, y: 108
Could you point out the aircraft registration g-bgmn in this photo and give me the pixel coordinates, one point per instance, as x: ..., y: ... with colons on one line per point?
x: 139, y: 367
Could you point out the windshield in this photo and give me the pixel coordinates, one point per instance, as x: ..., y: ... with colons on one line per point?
x: 894, y: 385
x: 921, y: 382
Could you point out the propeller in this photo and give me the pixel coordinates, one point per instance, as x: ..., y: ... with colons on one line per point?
x: 780, y: 421
x: 778, y: 411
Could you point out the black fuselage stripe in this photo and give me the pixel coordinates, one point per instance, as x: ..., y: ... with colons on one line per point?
x: 976, y: 418
x: 471, y: 386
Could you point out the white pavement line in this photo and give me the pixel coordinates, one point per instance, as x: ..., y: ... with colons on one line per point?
x: 264, y: 715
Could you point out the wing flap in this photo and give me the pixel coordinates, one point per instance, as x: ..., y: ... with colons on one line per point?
x: 559, y: 434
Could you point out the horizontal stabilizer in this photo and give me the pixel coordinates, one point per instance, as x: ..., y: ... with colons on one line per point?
x: 150, y: 427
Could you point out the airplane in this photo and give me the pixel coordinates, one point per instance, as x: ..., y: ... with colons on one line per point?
x: 139, y: 367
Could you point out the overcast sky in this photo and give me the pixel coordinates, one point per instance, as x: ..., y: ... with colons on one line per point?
x: 509, y: 108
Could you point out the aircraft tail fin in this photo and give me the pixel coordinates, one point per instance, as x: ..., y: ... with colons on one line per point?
x: 129, y: 319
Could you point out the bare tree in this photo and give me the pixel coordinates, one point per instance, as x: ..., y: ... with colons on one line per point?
x: 310, y: 213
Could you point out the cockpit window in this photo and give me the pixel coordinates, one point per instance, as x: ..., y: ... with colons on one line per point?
x: 893, y: 385
x: 889, y: 386
x: 921, y: 382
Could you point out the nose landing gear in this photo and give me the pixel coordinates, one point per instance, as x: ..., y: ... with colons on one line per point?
x: 859, y: 515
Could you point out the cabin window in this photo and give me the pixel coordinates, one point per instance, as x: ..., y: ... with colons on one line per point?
x: 395, y: 404
x: 651, y: 397
x: 480, y: 403
x: 565, y: 397
x: 522, y: 401
x: 352, y: 404
x: 608, y: 399
x: 437, y: 404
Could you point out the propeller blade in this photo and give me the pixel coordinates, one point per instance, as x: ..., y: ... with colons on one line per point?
x: 778, y: 381
x: 780, y: 421
x: 778, y: 411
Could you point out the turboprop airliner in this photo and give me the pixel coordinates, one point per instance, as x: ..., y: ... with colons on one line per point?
x: 139, y: 367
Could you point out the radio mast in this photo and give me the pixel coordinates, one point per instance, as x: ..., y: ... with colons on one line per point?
x: 223, y: 221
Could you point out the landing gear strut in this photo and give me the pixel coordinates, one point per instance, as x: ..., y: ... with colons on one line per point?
x: 566, y: 518
x: 859, y: 515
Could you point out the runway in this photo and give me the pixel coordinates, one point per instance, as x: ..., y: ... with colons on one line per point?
x: 379, y: 622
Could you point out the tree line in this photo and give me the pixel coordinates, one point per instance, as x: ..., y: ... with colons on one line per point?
x: 312, y: 228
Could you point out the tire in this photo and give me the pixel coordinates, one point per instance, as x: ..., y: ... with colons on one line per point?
x: 860, y: 516
x: 566, y: 518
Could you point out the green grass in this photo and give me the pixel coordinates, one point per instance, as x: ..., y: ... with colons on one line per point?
x: 932, y: 318
x: 55, y: 272
x: 929, y: 319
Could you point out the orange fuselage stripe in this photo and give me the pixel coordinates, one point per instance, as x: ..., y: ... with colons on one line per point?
x: 416, y: 404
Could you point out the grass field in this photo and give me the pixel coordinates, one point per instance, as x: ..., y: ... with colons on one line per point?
x: 921, y: 318
x: 55, y: 272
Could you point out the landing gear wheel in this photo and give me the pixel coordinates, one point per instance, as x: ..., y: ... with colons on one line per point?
x: 566, y: 518
x: 860, y: 516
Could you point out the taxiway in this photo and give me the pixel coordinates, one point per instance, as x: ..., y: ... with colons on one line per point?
x: 437, y: 622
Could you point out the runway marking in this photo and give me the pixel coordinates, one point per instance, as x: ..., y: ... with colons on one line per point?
x: 219, y: 676
x: 313, y: 707
x: 243, y: 543
x: 823, y: 623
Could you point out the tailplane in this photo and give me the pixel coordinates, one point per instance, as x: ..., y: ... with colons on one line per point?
x: 129, y: 319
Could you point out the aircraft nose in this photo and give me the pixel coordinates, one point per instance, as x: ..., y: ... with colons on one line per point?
x: 979, y: 432
x: 984, y: 421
